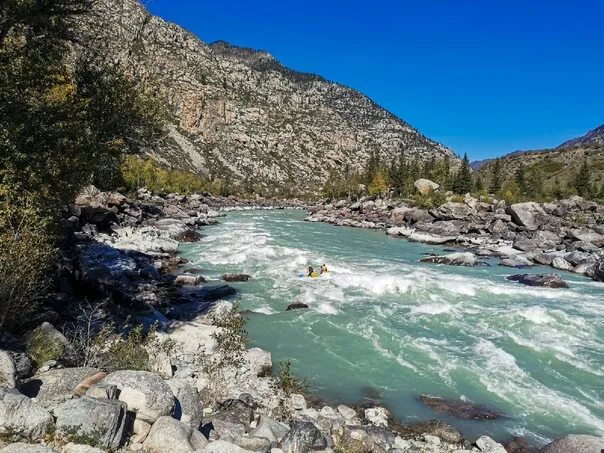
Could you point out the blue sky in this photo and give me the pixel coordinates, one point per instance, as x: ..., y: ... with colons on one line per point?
x: 484, y: 77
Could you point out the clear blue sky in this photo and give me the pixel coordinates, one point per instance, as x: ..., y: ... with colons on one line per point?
x: 484, y: 77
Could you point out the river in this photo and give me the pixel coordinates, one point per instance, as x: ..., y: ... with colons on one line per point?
x: 381, y: 325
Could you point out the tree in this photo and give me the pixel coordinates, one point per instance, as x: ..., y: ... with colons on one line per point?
x: 378, y: 184
x: 582, y: 181
x: 463, y: 180
x: 520, y: 178
x: 496, y: 176
x: 533, y: 184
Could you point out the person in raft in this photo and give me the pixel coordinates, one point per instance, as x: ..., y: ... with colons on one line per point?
x: 311, y: 272
x: 324, y: 269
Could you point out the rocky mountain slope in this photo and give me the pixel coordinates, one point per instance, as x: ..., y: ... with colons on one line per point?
x: 558, y: 165
x: 239, y: 114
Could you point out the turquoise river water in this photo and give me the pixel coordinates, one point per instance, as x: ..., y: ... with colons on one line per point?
x: 381, y: 325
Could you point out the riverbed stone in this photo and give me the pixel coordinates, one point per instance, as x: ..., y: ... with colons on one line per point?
x: 529, y: 215
x: 270, y: 429
x: 575, y: 444
x: 145, y: 393
x: 169, y: 434
x: 487, y: 445
x: 57, y: 385
x: 544, y: 280
x: 302, y: 438
x: 22, y: 447
x: 454, y: 259
x: 8, y: 371
x: 23, y: 417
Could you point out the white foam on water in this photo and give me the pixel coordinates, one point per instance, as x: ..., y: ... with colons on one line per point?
x: 431, y: 309
x: 265, y: 310
x: 536, y: 314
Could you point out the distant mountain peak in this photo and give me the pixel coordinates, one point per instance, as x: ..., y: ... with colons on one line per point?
x: 591, y: 138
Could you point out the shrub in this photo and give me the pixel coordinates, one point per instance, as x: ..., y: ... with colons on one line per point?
x: 128, y: 352
x: 233, y: 338
x: 288, y: 382
x: 431, y: 200
x: 41, y: 349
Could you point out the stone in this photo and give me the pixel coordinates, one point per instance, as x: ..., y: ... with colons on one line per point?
x: 297, y: 402
x: 270, y: 429
x: 516, y: 261
x: 587, y: 235
x: 140, y: 430
x: 597, y: 271
x: 80, y: 448
x: 561, y: 264
x: 454, y: 259
x: 194, y: 337
x: 87, y: 382
x: 377, y: 416
x: 529, y: 215
x: 8, y: 371
x: 160, y: 363
x: 102, y: 390
x: 347, y: 412
x: 575, y: 443
x: 99, y: 419
x: 443, y: 431
x: 23, y: 417
x: 425, y: 186
x: 45, y: 343
x: 250, y: 443
x: 21, y: 447
x: 188, y: 407
x: 236, y: 277
x: 544, y: 280
x: 296, y: 306
x: 487, y: 445
x: 57, y: 385
x: 188, y: 280
x: 260, y: 362
x: 453, y: 211
x: 221, y: 446
x: 458, y: 408
x: 302, y: 438
x: 169, y: 434
x: 145, y: 393
x: 233, y: 411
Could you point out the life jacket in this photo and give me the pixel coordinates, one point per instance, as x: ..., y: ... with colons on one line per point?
x: 313, y: 275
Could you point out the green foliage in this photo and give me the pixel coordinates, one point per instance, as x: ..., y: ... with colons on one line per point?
x: 497, y: 176
x: 233, y: 338
x: 137, y: 173
x: 378, y: 185
x: 41, y: 349
x: 463, y: 180
x: 582, y: 182
x: 288, y: 382
x: 128, y: 352
x: 343, y: 185
x: 429, y: 201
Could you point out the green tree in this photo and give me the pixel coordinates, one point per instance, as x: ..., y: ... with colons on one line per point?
x: 520, y: 178
x: 496, y: 176
x: 582, y: 181
x: 463, y: 180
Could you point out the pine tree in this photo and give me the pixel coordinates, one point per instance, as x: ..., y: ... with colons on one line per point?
x: 496, y: 176
x: 520, y: 178
x: 463, y: 181
x: 533, y: 183
x: 583, y: 180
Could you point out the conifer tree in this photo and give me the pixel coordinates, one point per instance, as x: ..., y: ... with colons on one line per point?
x: 582, y: 181
x: 463, y: 180
x: 496, y: 176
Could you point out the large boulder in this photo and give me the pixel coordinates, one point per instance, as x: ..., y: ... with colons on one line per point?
x: 8, y: 371
x: 145, y: 393
x: 487, y: 445
x: 454, y: 259
x: 57, y: 385
x: 236, y: 277
x: 544, y: 280
x: 597, y: 271
x: 529, y: 215
x: 188, y: 407
x: 575, y: 444
x: 169, y: 434
x: 22, y: 447
x: 561, y: 264
x: 270, y: 429
x: 46, y: 343
x: 100, y: 420
x: 22, y: 417
x: 302, y: 438
x: 221, y: 446
x: 453, y: 211
x: 425, y: 186
x: 458, y: 408
x: 587, y: 235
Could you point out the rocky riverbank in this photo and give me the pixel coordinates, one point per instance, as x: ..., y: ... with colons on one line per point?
x: 567, y: 235
x: 86, y: 378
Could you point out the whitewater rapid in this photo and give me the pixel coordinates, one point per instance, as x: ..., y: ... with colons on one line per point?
x: 380, y: 322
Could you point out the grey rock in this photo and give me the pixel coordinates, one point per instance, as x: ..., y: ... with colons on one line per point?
x: 236, y: 277
x: 8, y: 371
x: 454, y: 259
x: 302, y: 438
x: 487, y: 445
x: 544, y: 280
x: 80, y: 448
x: 188, y: 408
x: 221, y: 446
x: 55, y: 386
x: 453, y: 211
x: 100, y: 419
x: 425, y: 186
x: 145, y: 393
x: 560, y: 263
x: 169, y: 434
x: 102, y: 390
x: 45, y: 342
x: 270, y: 429
x: 516, y: 261
x: 23, y: 417
x: 587, y: 235
x: 21, y: 447
x: 575, y: 444
x: 530, y: 215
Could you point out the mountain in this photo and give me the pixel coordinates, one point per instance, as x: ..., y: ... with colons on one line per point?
x: 237, y: 113
x: 593, y: 137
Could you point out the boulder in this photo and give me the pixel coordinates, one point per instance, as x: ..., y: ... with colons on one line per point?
x: 296, y: 306
x: 560, y: 263
x: 487, y: 445
x: 80, y: 448
x: 297, y: 402
x: 8, y: 371
x: 377, y: 416
x: 233, y: 412
x: 188, y: 407
x: 188, y: 280
x: 529, y: 215
x: 46, y: 343
x: 221, y: 446
x: 194, y: 337
x: 544, y: 280
x: 101, y: 420
x: 236, y: 277
x: 454, y: 259
x: 21, y: 447
x: 587, y: 235
x: 425, y: 186
x: 260, y: 362
x: 453, y: 211
x: 270, y: 429
x: 597, y: 271
x: 145, y: 393
x: 302, y: 438
x: 575, y: 444
x: 177, y: 230
x: 22, y: 417
x: 458, y: 408
x: 443, y: 431
x: 516, y: 261
x: 169, y: 434
x: 55, y: 386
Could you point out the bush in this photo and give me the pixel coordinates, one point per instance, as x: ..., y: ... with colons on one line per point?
x: 429, y: 201
x: 233, y: 338
x: 288, y: 382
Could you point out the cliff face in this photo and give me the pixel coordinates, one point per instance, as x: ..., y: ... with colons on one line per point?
x: 239, y: 114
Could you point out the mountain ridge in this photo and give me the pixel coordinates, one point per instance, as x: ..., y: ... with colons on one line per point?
x: 239, y: 114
